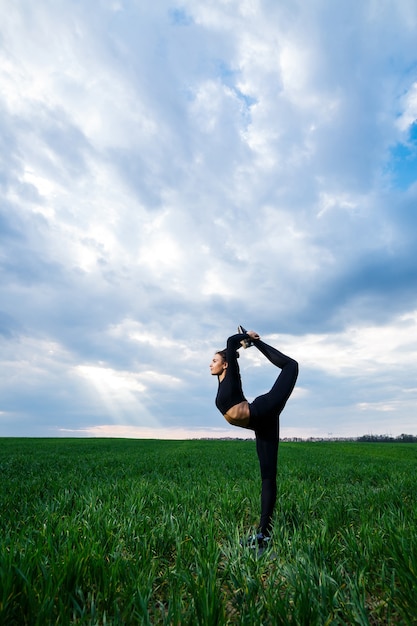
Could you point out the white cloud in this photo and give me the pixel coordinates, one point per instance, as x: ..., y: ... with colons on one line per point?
x: 408, y: 115
x: 365, y: 348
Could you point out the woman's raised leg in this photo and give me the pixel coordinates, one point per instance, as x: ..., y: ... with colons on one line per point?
x: 269, y: 405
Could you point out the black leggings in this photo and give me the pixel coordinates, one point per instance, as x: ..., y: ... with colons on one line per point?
x: 264, y: 420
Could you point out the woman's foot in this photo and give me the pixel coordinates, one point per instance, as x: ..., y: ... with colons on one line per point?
x: 246, y: 343
x: 258, y: 543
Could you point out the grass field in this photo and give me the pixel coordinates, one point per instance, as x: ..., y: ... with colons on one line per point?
x: 101, y: 531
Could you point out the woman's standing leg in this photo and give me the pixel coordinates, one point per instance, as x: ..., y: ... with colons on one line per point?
x: 267, y: 441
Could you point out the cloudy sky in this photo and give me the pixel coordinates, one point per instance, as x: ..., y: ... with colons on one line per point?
x: 171, y: 170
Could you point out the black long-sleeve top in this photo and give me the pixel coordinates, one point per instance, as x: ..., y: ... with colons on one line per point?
x: 230, y: 390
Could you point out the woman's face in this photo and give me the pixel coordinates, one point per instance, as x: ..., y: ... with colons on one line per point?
x: 217, y: 366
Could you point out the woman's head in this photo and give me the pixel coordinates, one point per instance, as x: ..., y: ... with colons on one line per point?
x: 218, y: 364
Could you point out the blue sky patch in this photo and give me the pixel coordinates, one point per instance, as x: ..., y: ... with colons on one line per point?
x: 402, y: 166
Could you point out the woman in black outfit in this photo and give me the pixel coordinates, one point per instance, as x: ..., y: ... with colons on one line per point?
x: 261, y: 415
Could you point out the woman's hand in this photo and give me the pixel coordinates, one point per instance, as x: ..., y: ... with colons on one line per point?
x: 253, y: 335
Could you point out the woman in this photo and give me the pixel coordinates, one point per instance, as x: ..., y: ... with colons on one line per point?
x: 261, y: 415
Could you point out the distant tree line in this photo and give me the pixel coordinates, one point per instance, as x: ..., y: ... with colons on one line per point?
x: 387, y: 438
x: 364, y: 438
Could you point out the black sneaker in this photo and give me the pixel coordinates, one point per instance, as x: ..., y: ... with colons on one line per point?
x: 246, y: 343
x: 258, y: 543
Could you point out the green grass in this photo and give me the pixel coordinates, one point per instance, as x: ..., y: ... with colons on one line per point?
x: 147, y: 532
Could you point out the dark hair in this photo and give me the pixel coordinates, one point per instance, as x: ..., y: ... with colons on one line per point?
x: 223, y: 354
